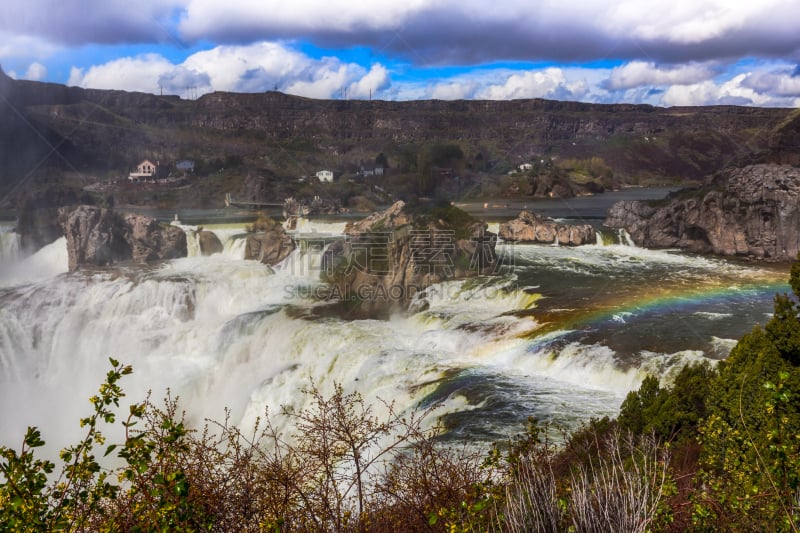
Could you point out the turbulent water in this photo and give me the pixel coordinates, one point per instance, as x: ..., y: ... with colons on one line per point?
x: 561, y: 333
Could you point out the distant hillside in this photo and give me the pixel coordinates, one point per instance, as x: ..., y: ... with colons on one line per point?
x: 50, y: 131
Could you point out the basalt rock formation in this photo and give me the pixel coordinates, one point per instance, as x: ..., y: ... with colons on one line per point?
x: 391, y: 256
x: 280, y: 135
x: 752, y: 211
x: 270, y: 244
x: 98, y: 236
x: 209, y: 242
x: 530, y: 227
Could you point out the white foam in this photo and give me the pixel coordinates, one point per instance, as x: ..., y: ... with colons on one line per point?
x: 47, y: 263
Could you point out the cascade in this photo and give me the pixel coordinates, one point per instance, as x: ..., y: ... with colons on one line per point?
x: 625, y: 238
x: 539, y: 339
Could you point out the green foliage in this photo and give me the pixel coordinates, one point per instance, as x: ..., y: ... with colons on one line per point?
x: 340, y: 467
x: 751, y: 437
x: 431, y: 157
x: 670, y: 413
x: 29, y: 501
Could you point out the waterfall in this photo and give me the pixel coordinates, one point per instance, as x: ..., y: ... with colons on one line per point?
x: 192, y: 243
x: 49, y: 261
x: 625, y: 238
x: 9, y: 246
x: 598, y: 235
x: 220, y: 331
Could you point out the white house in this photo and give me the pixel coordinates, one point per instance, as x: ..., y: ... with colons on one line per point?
x: 325, y: 175
x: 525, y: 166
x: 144, y: 170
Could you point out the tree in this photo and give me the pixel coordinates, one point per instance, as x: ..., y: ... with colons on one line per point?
x: 751, y: 437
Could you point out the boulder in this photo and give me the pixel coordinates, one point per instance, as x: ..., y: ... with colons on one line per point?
x: 209, y: 242
x: 151, y: 241
x: 98, y: 236
x: 270, y: 245
x: 530, y: 227
x: 752, y: 211
x: 389, y: 257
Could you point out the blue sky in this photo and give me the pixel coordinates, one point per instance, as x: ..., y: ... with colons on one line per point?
x: 674, y: 52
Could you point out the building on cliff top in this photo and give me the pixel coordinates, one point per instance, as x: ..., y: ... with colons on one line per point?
x: 147, y: 170
x: 325, y: 176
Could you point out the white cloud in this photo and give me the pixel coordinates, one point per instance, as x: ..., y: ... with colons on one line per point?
x: 709, y: 93
x: 36, y: 72
x: 262, y: 65
x: 640, y: 73
x: 327, y: 81
x: 782, y: 82
x: 140, y: 73
x: 454, y: 90
x: 683, y: 21
x: 181, y: 79
x: 373, y: 82
x: 254, y: 68
x: 547, y: 83
x: 23, y: 46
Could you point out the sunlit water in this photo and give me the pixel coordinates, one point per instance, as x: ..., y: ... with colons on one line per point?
x: 561, y: 334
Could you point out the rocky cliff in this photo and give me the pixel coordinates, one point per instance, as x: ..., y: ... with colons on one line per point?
x: 282, y: 136
x: 268, y: 243
x: 530, y: 227
x: 391, y: 256
x: 97, y: 237
x: 752, y: 211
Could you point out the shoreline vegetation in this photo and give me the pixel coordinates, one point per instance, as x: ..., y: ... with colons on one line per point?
x: 717, y: 450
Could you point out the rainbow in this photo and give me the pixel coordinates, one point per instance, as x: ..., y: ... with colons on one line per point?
x: 650, y: 300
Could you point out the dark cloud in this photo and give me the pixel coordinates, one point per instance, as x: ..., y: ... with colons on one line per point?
x: 734, y: 100
x: 779, y: 82
x: 181, y: 78
x: 444, y: 33
x: 452, y: 36
x: 77, y: 22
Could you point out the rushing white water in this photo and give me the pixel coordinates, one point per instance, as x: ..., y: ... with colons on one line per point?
x: 224, y: 332
x: 322, y: 226
x: 9, y: 244
x: 44, y: 264
x: 233, y: 240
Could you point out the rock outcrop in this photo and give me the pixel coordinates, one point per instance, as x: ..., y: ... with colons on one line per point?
x: 209, y: 242
x: 270, y: 244
x: 635, y: 140
x: 151, y: 241
x: 38, y: 215
x: 531, y: 228
x: 97, y: 236
x: 389, y: 257
x: 752, y: 211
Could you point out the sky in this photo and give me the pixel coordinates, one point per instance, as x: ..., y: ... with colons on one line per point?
x: 660, y: 52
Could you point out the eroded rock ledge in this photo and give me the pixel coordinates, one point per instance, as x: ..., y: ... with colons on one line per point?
x: 269, y: 244
x: 98, y: 236
x: 531, y: 228
x: 389, y: 257
x: 750, y: 212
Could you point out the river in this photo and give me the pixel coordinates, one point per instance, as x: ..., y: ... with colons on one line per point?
x: 561, y: 333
